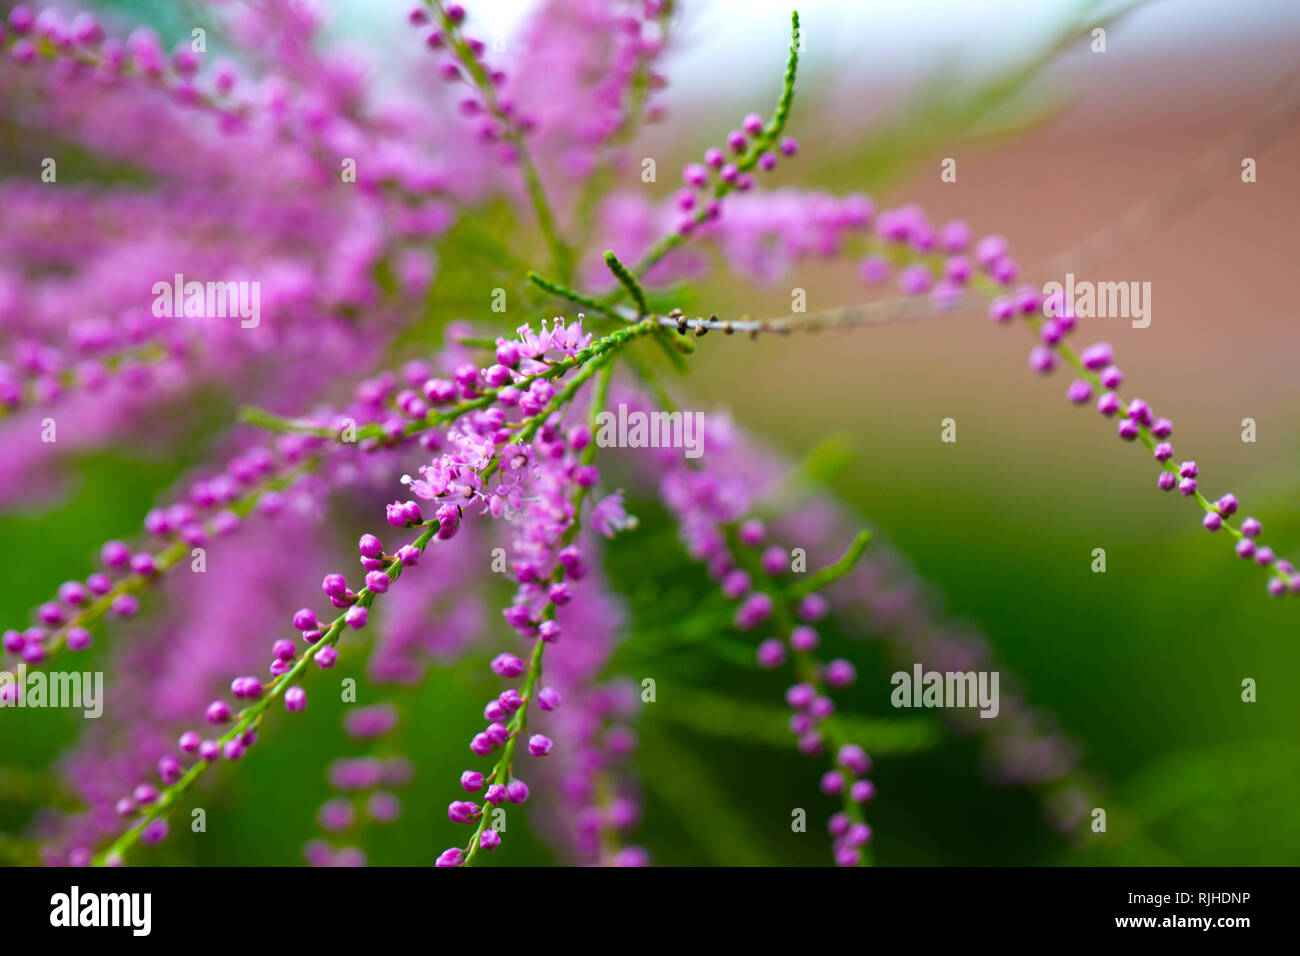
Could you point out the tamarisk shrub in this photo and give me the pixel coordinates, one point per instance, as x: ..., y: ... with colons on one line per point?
x: 279, y: 162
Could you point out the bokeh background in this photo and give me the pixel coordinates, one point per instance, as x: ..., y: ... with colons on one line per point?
x: 1142, y: 664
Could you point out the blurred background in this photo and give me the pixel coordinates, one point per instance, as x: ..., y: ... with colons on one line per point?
x: 1142, y: 664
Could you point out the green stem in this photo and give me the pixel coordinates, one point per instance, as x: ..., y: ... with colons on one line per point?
x: 573, y: 295
x: 628, y: 281
x: 833, y: 572
x: 252, y: 415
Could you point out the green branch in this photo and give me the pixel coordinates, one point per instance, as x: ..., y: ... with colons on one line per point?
x: 573, y: 295
x: 628, y: 281
x: 832, y: 572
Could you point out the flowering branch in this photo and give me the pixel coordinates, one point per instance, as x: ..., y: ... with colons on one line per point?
x: 451, y: 16
x: 734, y: 175
x: 82, y: 606
x: 457, y: 477
x: 546, y: 631
x: 441, y: 390
x: 151, y: 827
